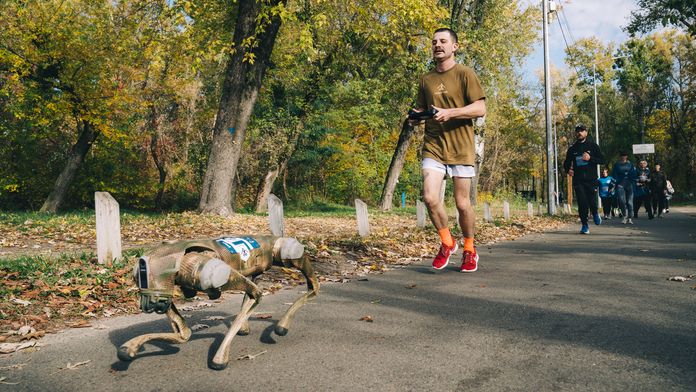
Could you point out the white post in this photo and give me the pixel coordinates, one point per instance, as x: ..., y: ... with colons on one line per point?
x: 530, y: 210
x: 363, y: 223
x: 487, y: 212
x: 108, y: 228
x: 420, y: 214
x: 567, y: 209
x: 506, y: 210
x: 540, y: 207
x: 276, y: 219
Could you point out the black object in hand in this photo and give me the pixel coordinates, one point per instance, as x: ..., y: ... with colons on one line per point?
x: 424, y: 115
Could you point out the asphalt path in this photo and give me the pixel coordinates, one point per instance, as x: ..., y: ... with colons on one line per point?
x: 557, y: 311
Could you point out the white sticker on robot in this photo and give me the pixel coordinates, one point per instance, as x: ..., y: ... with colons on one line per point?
x: 240, y: 246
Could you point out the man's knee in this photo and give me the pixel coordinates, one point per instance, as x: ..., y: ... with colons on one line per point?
x: 463, y: 205
x: 431, y: 201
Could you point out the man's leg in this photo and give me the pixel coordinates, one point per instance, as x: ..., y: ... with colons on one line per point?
x: 621, y: 196
x: 583, y: 202
x: 432, y: 183
x: 648, y: 205
x: 629, y: 203
x: 467, y: 220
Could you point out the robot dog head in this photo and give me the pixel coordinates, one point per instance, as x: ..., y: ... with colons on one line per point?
x: 156, y: 283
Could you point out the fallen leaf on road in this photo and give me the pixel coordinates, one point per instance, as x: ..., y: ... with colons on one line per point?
x: 375, y: 301
x: 198, y: 327
x: 367, y: 318
x: 410, y: 286
x: 645, y: 250
x: 251, y: 356
x: 679, y: 279
x: 72, y: 366
x: 2, y: 381
x: 197, y: 306
x: 262, y: 316
x: 17, y: 366
x: 6, y: 348
x: 81, y: 324
x: 213, y: 318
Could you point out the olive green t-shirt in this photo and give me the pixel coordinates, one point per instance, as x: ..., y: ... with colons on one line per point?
x: 451, y: 142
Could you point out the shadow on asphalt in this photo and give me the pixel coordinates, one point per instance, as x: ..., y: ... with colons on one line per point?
x: 161, y: 324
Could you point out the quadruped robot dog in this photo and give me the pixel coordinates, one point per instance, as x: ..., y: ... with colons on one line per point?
x: 212, y: 266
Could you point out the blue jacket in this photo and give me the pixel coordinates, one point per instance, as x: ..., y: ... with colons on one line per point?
x: 624, y: 174
x: 606, y: 186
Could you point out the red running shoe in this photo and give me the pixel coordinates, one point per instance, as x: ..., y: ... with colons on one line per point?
x: 470, y: 261
x: 443, y: 256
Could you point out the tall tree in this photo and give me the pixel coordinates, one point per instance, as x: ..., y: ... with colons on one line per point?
x: 255, y: 32
x: 71, y: 58
x: 653, y: 13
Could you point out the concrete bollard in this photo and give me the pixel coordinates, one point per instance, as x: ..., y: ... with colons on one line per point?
x: 363, y: 223
x: 108, y: 228
x: 276, y: 219
x: 487, y: 212
x: 420, y: 214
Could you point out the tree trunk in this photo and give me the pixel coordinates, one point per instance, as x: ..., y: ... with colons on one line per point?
x: 77, y: 155
x: 397, y: 163
x: 159, y: 162
x: 266, y: 184
x: 240, y: 89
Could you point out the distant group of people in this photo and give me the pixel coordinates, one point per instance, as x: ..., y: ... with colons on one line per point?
x: 628, y: 187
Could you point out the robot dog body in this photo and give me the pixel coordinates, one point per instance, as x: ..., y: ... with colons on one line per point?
x: 212, y: 266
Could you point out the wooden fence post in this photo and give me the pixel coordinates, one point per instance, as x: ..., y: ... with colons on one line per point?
x: 530, y: 210
x: 506, y: 210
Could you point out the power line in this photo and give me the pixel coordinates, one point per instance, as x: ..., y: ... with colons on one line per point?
x: 566, y: 43
x: 570, y: 33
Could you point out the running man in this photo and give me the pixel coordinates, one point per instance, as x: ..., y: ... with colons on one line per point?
x: 453, y: 92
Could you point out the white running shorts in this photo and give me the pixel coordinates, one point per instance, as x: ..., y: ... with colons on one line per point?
x: 465, y: 171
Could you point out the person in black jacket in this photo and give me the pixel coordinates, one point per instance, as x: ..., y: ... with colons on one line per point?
x: 581, y: 163
x: 658, y: 190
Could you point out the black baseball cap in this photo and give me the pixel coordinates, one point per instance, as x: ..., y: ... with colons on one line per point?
x: 580, y: 127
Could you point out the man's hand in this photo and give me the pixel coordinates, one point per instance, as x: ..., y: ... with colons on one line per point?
x: 442, y: 115
x: 585, y: 156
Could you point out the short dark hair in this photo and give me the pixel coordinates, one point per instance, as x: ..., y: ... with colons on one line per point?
x: 448, y: 30
x: 580, y: 127
x: 622, y: 153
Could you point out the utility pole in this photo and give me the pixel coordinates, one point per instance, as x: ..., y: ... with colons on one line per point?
x: 596, y: 123
x: 547, y: 92
x: 555, y: 162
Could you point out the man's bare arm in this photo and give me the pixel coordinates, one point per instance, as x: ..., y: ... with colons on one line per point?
x: 473, y: 110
